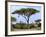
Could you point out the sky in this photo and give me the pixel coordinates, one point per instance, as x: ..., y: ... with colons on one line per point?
x: 32, y: 17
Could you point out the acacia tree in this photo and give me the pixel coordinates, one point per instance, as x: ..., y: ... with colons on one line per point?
x: 26, y: 12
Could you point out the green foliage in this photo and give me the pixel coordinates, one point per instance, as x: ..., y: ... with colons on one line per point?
x: 38, y: 20
x: 13, y: 19
x: 26, y: 10
x: 39, y: 25
x: 25, y: 26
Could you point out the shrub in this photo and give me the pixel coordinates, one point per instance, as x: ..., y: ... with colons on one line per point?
x: 39, y: 25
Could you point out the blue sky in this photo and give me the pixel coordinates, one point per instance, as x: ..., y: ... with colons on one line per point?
x: 32, y: 18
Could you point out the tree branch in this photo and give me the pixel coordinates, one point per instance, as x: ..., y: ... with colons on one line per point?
x: 25, y: 18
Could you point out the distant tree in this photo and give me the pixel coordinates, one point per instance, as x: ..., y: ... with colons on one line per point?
x: 13, y: 18
x: 38, y: 20
x: 27, y: 12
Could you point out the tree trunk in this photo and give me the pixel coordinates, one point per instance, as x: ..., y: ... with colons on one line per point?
x: 28, y: 20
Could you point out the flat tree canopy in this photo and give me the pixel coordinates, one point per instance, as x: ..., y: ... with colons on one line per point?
x: 26, y: 11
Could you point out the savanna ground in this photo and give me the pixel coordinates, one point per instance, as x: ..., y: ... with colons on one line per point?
x: 22, y: 26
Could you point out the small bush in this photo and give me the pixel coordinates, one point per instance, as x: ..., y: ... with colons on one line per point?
x: 39, y: 25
